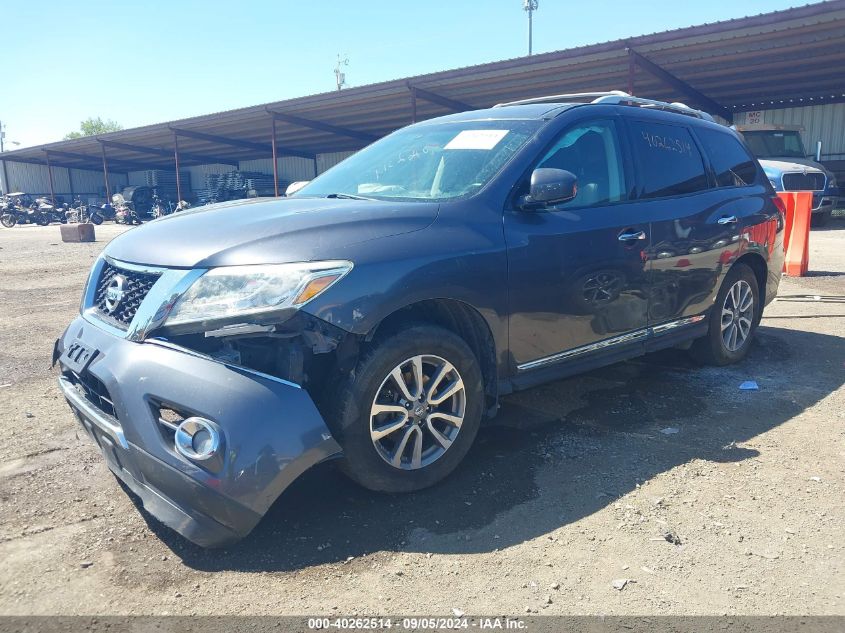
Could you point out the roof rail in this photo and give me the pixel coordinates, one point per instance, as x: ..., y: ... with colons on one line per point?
x: 574, y: 96
x: 614, y: 97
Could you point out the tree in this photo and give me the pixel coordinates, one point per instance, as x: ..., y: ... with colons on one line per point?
x: 92, y: 127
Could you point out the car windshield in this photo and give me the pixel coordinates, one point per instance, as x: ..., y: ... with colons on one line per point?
x: 437, y: 161
x: 774, y: 144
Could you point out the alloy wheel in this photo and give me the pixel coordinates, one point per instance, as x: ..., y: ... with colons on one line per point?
x: 737, y: 315
x: 417, y: 412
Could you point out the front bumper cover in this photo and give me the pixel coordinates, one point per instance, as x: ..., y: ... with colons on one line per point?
x: 272, y: 431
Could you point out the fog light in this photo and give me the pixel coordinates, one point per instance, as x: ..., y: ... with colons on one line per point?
x: 197, y: 439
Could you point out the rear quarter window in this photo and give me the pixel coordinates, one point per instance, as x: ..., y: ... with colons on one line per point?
x: 733, y: 166
x: 669, y: 161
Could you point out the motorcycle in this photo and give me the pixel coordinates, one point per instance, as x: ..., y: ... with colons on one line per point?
x: 81, y: 213
x: 42, y: 212
x: 124, y: 212
x: 159, y: 209
x: 14, y: 209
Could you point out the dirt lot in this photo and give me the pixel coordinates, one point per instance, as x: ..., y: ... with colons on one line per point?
x: 575, y: 488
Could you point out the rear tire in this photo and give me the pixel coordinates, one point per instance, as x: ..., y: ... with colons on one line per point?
x: 733, y: 320
x: 399, y: 438
x: 820, y: 219
x: 96, y: 218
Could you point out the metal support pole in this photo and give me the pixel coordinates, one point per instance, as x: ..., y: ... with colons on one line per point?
x: 275, y: 158
x: 178, y: 178
x: 530, y: 24
x: 413, y: 106
x: 106, y: 173
x: 631, y: 70
x: 5, y: 189
x: 70, y: 182
x: 50, y: 174
x: 315, y: 167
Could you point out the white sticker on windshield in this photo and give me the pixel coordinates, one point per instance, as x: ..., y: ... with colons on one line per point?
x: 477, y: 139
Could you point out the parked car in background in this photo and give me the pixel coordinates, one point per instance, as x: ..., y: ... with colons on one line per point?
x: 377, y: 315
x: 784, y: 158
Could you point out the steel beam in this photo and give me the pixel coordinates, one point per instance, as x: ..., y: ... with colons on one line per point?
x: 413, y: 106
x: 50, y: 175
x: 275, y: 157
x: 452, y: 104
x: 323, y: 127
x: 699, y: 98
x: 160, y: 151
x: 43, y: 163
x: 106, y: 173
x: 127, y: 164
x: 236, y: 142
x: 176, y: 157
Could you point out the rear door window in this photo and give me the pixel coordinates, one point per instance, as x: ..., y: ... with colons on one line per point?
x: 732, y: 164
x: 669, y: 161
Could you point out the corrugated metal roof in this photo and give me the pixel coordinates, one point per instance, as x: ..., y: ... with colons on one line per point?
x: 779, y: 59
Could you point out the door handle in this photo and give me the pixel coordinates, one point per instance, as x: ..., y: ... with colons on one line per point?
x: 630, y: 237
x: 727, y: 219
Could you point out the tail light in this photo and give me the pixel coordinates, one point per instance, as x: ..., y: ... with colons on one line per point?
x: 781, y: 207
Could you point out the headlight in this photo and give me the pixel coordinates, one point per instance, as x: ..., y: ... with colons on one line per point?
x: 235, y: 291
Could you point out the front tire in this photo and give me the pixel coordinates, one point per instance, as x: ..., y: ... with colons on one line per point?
x: 8, y: 220
x: 733, y: 320
x: 821, y: 219
x: 409, y: 412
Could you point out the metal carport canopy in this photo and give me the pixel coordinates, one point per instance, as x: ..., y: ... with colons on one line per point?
x: 780, y: 59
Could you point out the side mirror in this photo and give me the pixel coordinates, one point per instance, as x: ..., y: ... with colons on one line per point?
x: 550, y: 186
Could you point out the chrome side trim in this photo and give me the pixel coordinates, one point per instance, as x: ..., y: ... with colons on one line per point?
x: 584, y: 349
x: 671, y: 325
x: 104, y: 422
x: 655, y: 330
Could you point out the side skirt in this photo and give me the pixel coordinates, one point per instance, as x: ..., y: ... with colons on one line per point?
x: 605, y: 353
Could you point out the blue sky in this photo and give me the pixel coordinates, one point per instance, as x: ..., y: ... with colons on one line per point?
x: 152, y: 61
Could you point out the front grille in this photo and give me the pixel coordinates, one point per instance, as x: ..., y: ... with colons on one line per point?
x: 136, y: 285
x: 94, y: 391
x: 813, y: 181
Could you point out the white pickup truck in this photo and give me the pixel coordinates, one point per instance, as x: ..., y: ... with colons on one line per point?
x: 781, y: 152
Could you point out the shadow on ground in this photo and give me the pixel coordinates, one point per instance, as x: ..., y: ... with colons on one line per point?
x: 600, y: 432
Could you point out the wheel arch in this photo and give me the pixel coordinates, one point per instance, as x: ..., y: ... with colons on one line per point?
x: 458, y: 317
x: 758, y: 265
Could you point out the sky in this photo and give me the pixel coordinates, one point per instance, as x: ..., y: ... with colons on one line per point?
x: 153, y: 61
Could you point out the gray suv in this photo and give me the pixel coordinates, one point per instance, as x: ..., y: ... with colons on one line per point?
x: 377, y: 316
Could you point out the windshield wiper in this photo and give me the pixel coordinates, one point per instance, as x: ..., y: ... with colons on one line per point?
x: 347, y: 196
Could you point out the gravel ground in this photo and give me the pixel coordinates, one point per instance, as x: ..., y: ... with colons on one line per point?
x: 575, y: 489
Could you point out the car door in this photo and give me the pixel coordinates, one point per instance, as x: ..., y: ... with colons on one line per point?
x: 694, y: 235
x: 576, y: 271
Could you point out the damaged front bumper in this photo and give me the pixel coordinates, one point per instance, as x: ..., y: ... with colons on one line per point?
x: 131, y: 396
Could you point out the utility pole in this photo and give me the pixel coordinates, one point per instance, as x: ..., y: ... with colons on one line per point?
x: 5, y: 188
x: 339, y: 75
x: 530, y: 6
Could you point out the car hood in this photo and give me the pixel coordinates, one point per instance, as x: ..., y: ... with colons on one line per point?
x: 268, y: 232
x: 781, y: 166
